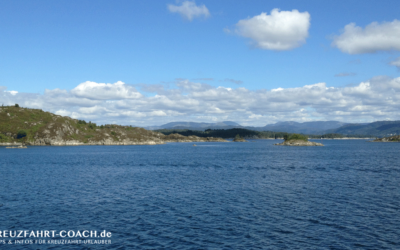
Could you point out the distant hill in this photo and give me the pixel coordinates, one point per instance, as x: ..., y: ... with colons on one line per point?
x: 289, y: 127
x: 318, y: 127
x: 225, y: 133
x: 380, y: 128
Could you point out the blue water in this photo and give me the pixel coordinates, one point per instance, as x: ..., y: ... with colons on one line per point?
x: 253, y: 195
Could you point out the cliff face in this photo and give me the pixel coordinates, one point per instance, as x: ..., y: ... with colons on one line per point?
x: 299, y: 143
x: 36, y: 127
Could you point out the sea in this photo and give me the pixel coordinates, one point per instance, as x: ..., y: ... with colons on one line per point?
x: 211, y: 195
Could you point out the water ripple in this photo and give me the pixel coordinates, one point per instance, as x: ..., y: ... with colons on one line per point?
x: 345, y: 195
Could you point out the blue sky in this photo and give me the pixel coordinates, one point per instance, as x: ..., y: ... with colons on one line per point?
x: 59, y: 45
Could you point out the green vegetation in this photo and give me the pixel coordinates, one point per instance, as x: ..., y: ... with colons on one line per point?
x: 34, y: 126
x: 295, y: 137
x: 20, y: 124
x: 238, y: 137
x: 225, y: 133
x: 246, y: 133
x: 21, y: 134
x: 327, y: 136
x: 4, y: 138
x: 92, y: 125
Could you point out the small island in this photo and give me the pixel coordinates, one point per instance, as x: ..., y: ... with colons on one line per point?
x: 238, y: 138
x: 297, y: 140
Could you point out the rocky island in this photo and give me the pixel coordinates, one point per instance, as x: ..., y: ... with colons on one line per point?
x: 395, y: 138
x: 238, y: 138
x: 23, y: 126
x: 297, y: 140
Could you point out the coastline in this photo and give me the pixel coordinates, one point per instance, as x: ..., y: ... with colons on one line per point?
x: 104, y: 143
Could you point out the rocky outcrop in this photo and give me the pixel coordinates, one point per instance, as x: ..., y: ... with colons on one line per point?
x: 20, y: 146
x: 151, y: 140
x: 44, y: 128
x: 298, y: 143
x: 10, y: 143
x: 395, y: 138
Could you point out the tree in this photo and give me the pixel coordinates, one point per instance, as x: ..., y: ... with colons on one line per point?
x: 21, y: 134
x: 16, y: 105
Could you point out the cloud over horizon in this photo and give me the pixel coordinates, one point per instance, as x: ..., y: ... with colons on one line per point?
x: 189, y: 10
x: 373, y: 38
x: 376, y: 99
x: 281, y: 30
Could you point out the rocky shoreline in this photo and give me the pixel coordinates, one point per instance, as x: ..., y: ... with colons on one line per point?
x: 58, y: 142
x: 298, y: 143
x: 395, y: 138
x: 23, y: 126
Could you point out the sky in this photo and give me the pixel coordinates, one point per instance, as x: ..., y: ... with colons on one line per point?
x: 147, y: 63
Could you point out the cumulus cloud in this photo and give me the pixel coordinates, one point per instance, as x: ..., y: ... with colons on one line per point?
x: 345, y: 74
x: 189, y: 10
x: 104, y: 91
x: 396, y: 63
x: 281, y: 30
x: 376, y: 99
x: 13, y: 92
x: 374, y: 37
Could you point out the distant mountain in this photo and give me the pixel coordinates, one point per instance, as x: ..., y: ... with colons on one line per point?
x: 380, y: 128
x: 197, y: 125
x: 318, y: 127
x: 290, y: 127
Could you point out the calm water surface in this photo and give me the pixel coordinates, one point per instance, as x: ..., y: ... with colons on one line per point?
x: 253, y: 195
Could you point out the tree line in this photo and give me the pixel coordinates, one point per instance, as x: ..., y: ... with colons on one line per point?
x: 249, y: 134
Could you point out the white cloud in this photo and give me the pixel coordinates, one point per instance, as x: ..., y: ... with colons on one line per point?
x: 277, y: 89
x: 189, y: 10
x: 12, y: 92
x: 63, y: 112
x: 376, y: 99
x: 374, y: 37
x: 281, y: 30
x: 103, y: 91
x: 396, y: 62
